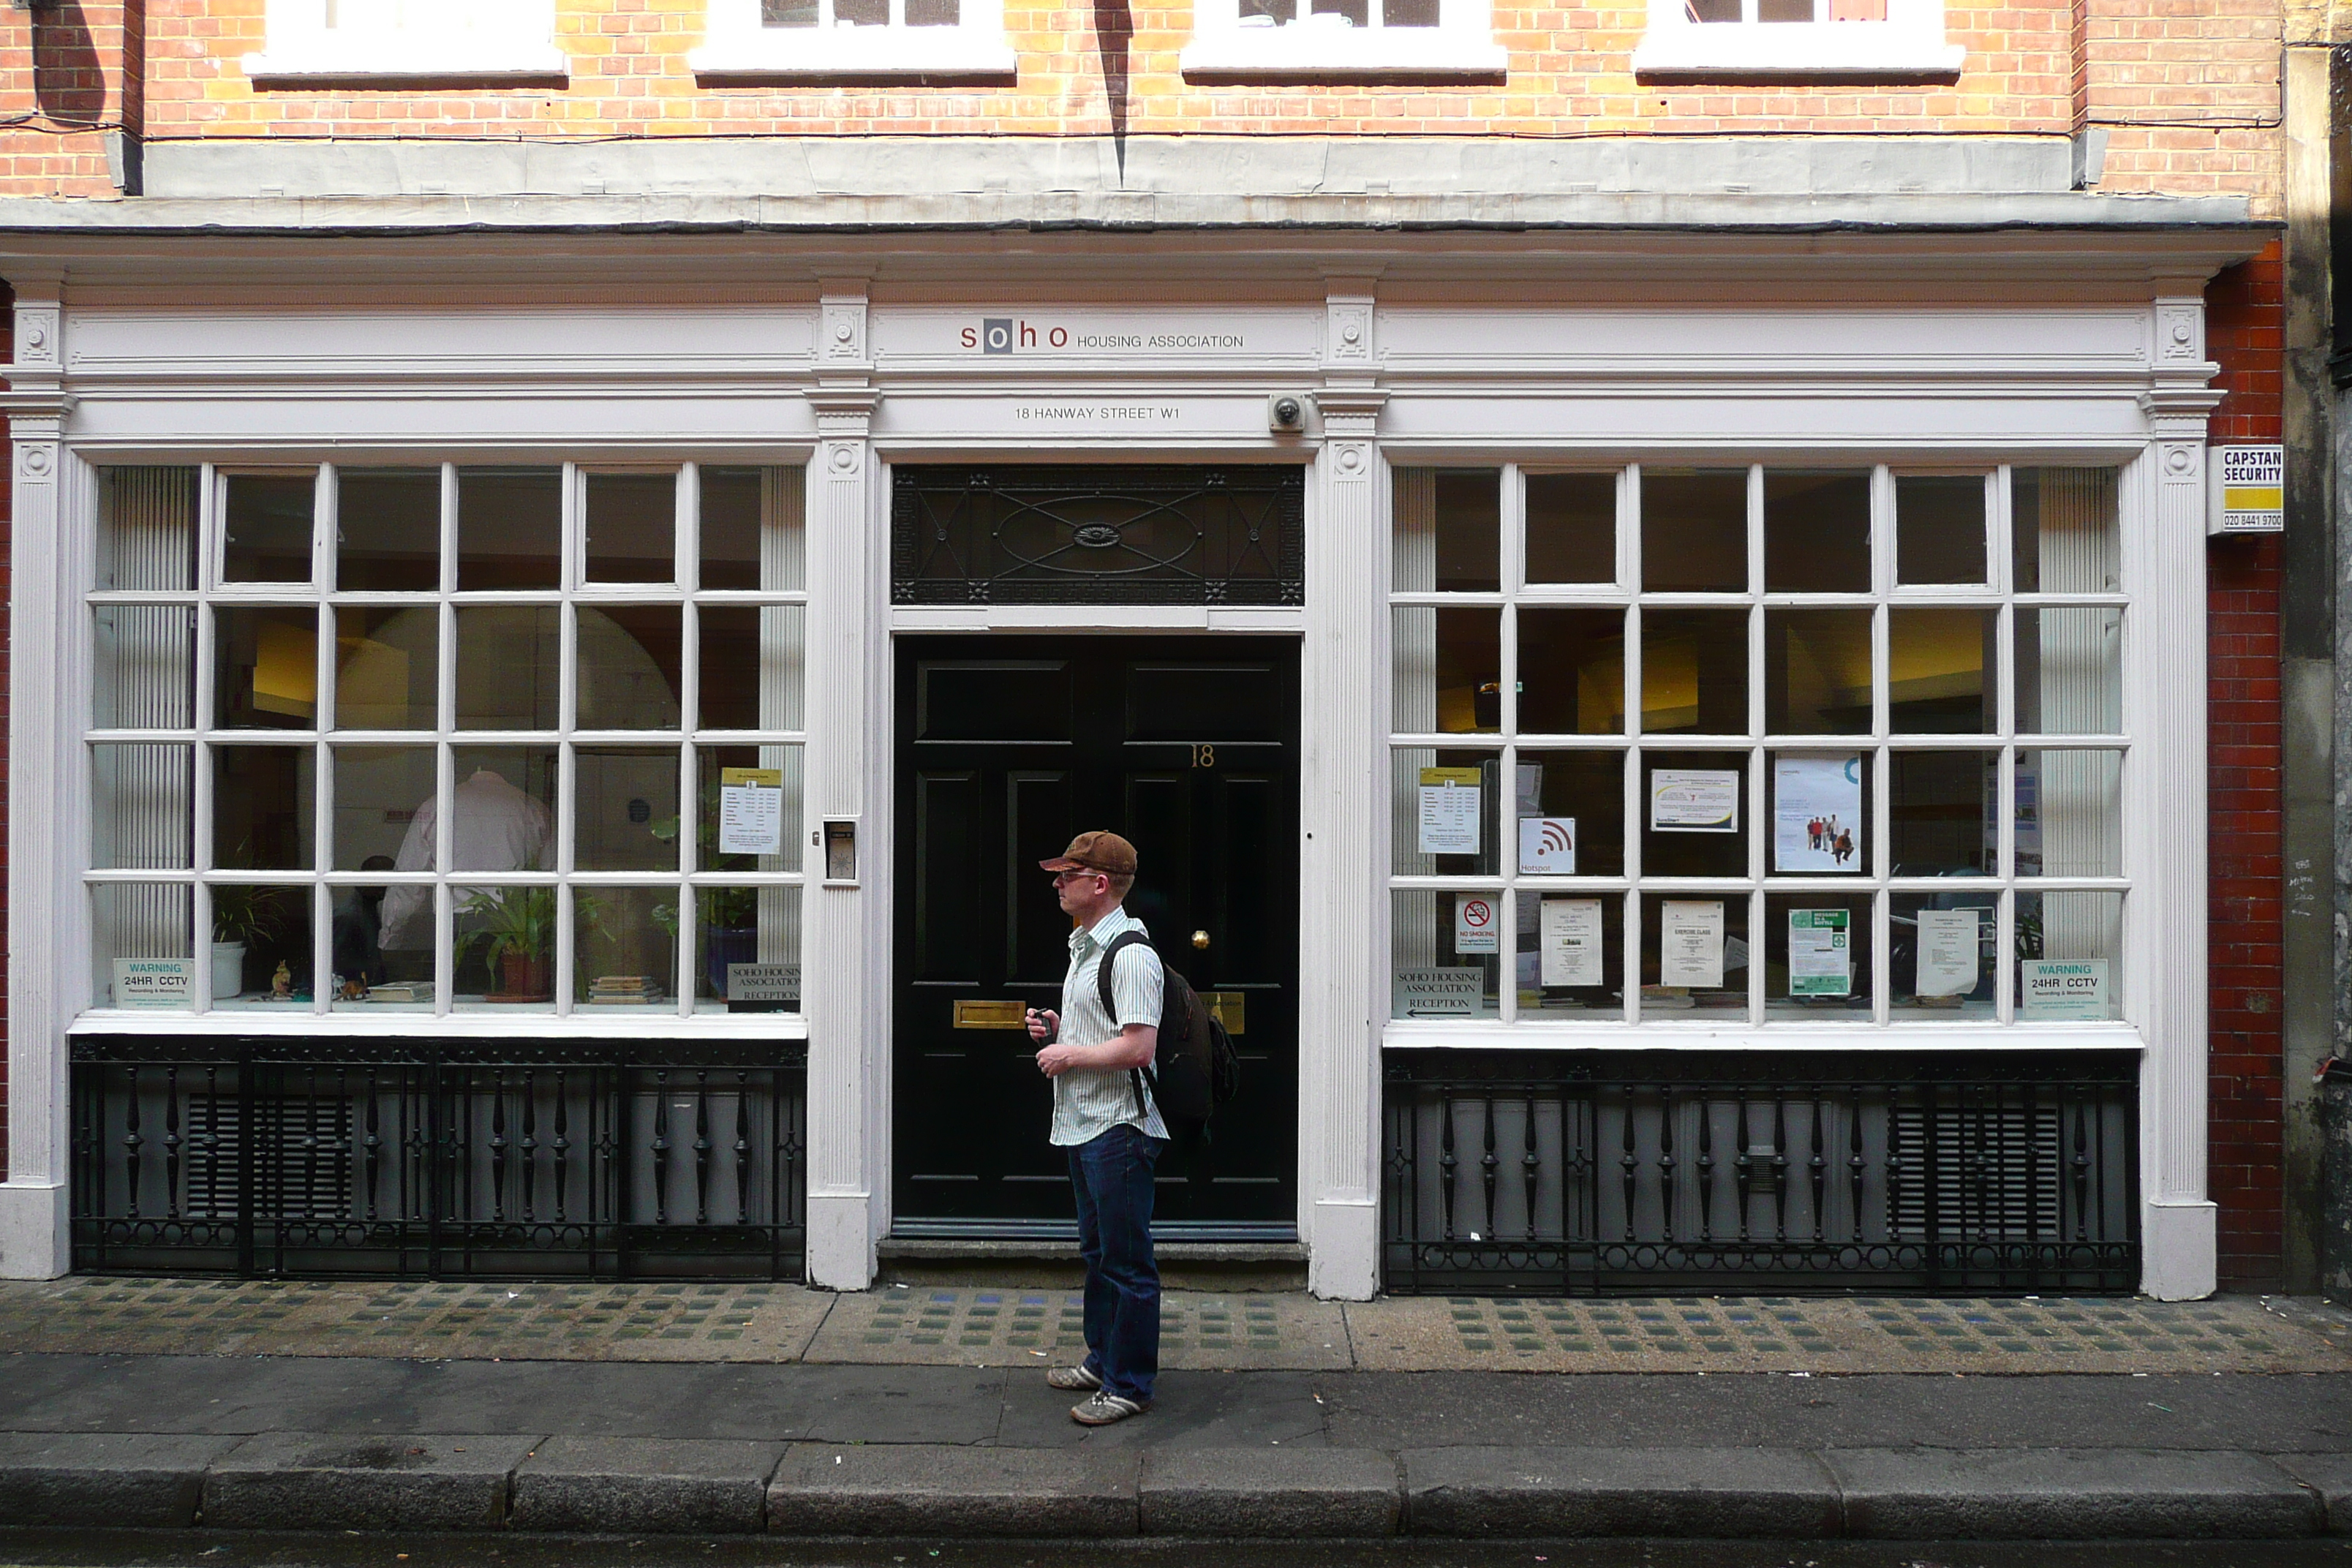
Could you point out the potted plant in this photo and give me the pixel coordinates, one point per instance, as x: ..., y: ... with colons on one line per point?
x: 515, y: 928
x: 243, y: 918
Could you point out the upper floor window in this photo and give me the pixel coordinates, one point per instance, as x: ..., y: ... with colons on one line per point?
x: 854, y: 38
x: 1902, y: 38
x: 409, y: 39
x: 1294, y: 38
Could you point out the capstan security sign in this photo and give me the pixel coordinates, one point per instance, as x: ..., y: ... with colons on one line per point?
x: 2249, y: 489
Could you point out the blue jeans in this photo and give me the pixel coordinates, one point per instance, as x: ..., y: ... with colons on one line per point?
x: 1112, y: 1177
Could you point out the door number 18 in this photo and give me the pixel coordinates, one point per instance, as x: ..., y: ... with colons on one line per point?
x: 1203, y: 756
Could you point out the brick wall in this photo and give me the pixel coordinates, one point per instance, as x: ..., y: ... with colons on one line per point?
x: 2244, y: 334
x: 2187, y: 93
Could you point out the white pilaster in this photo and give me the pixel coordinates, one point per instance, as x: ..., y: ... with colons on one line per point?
x: 845, y: 963
x: 2165, y: 566
x: 1343, y: 902
x: 43, y: 897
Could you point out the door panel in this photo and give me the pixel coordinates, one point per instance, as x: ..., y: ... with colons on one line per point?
x: 1006, y: 748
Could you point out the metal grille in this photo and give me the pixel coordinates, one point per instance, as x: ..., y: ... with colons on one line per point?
x: 443, y: 1161
x: 1103, y: 535
x: 1553, y: 1174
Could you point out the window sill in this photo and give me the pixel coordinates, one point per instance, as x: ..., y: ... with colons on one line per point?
x: 1745, y: 51
x: 398, y: 59
x: 857, y: 51
x: 1299, y: 54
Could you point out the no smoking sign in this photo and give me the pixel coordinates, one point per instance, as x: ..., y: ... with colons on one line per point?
x: 1478, y: 917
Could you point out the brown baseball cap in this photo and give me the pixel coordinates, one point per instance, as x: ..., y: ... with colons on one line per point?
x: 1096, y: 851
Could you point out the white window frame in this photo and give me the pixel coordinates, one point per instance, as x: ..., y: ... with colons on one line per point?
x: 1462, y: 44
x: 1756, y: 1023
x: 510, y: 38
x: 318, y: 885
x: 738, y: 46
x: 1908, y: 45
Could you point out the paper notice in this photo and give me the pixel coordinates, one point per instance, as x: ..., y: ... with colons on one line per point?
x: 1570, y: 942
x: 1530, y: 794
x: 1693, y: 800
x: 1449, y: 811
x: 1948, y: 952
x: 1548, y: 845
x: 751, y: 810
x: 1817, y: 813
x: 1690, y: 942
x: 1820, y: 952
x: 1477, y: 923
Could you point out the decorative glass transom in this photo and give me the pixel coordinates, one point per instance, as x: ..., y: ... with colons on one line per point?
x: 1019, y: 534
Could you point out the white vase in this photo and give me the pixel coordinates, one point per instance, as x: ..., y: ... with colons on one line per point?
x: 228, y: 969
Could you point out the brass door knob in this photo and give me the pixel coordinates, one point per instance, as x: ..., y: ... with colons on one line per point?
x: 1201, y: 939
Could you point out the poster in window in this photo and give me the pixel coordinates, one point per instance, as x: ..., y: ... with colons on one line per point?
x: 1817, y: 813
x: 751, y: 810
x: 1690, y: 942
x: 1820, y: 952
x: 1948, y: 951
x: 1693, y: 800
x: 1570, y: 942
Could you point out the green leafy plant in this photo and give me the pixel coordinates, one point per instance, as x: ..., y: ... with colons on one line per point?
x: 522, y: 921
x: 247, y: 915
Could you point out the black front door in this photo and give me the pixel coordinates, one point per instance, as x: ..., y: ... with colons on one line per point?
x: 1007, y: 747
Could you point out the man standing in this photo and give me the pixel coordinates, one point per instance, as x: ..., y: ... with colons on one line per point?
x: 1105, y: 1120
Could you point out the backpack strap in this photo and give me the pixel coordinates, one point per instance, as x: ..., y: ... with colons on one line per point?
x: 1137, y: 1078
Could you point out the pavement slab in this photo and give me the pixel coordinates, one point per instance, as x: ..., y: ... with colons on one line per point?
x: 549, y: 1322
x: 1848, y: 1334
x: 944, y: 1326
x: 336, y: 1480
x: 1268, y: 1330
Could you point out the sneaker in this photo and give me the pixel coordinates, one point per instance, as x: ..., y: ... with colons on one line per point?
x: 1073, y: 1378
x: 1106, y: 1407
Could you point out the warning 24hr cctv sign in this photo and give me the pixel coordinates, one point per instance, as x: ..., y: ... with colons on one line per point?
x: 2249, y: 489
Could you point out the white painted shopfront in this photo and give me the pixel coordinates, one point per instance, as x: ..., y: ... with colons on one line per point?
x: 1513, y: 458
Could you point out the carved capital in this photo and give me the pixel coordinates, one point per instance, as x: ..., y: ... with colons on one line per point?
x: 2180, y: 332
x: 841, y: 331
x: 36, y: 462
x: 2180, y: 462
x: 1348, y: 461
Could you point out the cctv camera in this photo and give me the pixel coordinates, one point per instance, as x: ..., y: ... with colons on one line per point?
x: 1284, y: 412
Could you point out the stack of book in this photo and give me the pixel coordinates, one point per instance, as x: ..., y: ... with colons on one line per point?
x: 624, y: 990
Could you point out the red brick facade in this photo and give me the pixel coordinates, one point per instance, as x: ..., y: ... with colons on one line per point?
x: 2245, y: 333
x: 2188, y: 94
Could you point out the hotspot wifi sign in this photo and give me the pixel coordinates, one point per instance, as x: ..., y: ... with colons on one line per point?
x: 1547, y: 847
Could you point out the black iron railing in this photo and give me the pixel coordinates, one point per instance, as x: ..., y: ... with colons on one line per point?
x: 440, y: 1159
x: 1558, y: 1174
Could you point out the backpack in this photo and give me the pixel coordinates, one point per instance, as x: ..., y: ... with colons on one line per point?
x: 1194, y: 1070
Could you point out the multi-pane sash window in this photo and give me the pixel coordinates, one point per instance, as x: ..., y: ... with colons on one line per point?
x: 820, y: 37
x: 384, y: 740
x: 1768, y: 745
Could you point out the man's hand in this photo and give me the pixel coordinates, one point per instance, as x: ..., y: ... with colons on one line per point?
x: 1055, y: 1061
x: 1044, y: 1023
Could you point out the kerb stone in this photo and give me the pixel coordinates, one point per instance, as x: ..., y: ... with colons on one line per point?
x: 1269, y: 1493
x: 133, y: 1478
x: 828, y: 1489
x: 314, y: 1481
x: 2330, y: 1477
x: 658, y: 1485
x: 1754, y: 1494
x: 2068, y: 1494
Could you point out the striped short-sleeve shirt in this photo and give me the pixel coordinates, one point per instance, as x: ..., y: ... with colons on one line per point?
x: 1087, y: 1104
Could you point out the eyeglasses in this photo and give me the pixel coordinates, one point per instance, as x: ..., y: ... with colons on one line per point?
x: 1062, y: 876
